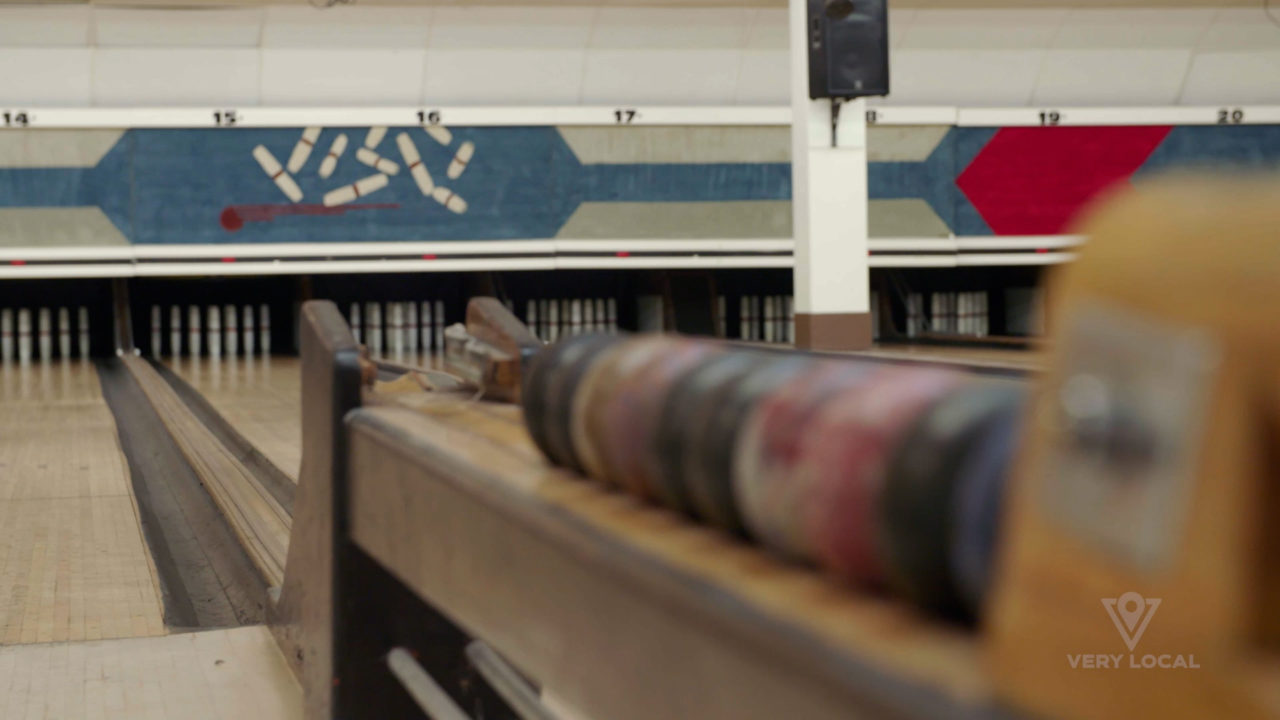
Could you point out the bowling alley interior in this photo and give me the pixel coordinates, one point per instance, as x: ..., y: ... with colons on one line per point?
x: 639, y: 359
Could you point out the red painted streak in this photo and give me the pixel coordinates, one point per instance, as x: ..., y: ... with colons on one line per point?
x: 1035, y: 181
x: 17, y: 262
x: 233, y: 217
x: 622, y: 253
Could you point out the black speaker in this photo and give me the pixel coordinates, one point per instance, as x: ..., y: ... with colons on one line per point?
x: 848, y: 48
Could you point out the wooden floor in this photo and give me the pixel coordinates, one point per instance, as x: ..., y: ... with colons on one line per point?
x: 260, y: 397
x: 217, y: 674
x: 73, y: 563
x: 1003, y: 358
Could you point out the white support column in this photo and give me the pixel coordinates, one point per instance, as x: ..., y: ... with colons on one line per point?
x: 829, y: 210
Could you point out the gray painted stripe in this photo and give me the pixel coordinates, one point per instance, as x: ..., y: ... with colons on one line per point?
x: 908, y: 217
x: 55, y: 148
x: 680, y: 220
x: 908, y: 143
x: 736, y: 144
x: 57, y: 227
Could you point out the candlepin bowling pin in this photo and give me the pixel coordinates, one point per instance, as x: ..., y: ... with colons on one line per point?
x: 272, y: 168
x: 359, y: 188
x: 449, y: 199
x: 376, y: 161
x: 193, y: 331
x: 409, y: 153
x: 440, y: 134
x: 302, y: 150
x: 330, y: 161
x: 374, y: 136
x: 460, y: 160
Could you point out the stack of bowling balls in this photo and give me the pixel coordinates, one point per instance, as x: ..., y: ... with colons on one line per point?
x: 888, y: 476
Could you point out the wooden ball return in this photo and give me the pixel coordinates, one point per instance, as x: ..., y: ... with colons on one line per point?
x: 1139, y: 573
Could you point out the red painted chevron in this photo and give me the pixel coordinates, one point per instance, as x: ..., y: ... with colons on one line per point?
x: 1033, y: 181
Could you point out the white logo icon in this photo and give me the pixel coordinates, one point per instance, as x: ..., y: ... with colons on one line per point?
x: 1131, y: 614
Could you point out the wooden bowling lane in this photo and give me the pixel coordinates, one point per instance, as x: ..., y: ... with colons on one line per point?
x: 73, y: 563
x: 261, y: 398
x: 992, y: 358
x: 214, y: 675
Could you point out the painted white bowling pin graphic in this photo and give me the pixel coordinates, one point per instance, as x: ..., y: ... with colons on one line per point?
x: 246, y: 326
x: 744, y: 317
x: 411, y: 327
x: 428, y: 327
x: 553, y: 320
x: 612, y: 315
x: 302, y: 150
x: 395, y: 328
x: 155, y: 331
x: 330, y: 161
x: 82, y: 324
x: 264, y: 329
x: 575, y: 317
x: 460, y: 160
x: 439, y: 324
x: 412, y: 160
x: 272, y: 168
x: 359, y: 188
x: 449, y: 199
x: 213, y: 331
x: 175, y: 330
x: 6, y: 335
x: 440, y: 134
x: 770, y: 318
x: 373, y: 326
x: 193, y: 331
x: 376, y: 161
x: 588, y: 316
x: 24, y: 335
x: 374, y: 137
x: 230, y: 331
x: 45, y: 334
x: 356, y: 322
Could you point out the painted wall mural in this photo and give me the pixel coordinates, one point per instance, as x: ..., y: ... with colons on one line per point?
x: 89, y: 187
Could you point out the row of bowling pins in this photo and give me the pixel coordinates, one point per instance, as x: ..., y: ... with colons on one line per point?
x: 227, y: 330
x: 551, y: 319
x: 399, y: 327
x: 19, y: 339
x: 954, y: 313
x: 762, y: 318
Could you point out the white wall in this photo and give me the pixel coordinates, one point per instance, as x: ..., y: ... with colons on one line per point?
x: 80, y: 55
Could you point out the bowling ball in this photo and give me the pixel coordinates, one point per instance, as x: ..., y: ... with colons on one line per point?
x: 682, y: 420
x: 979, y: 500
x: 559, y: 381
x: 533, y: 400
x: 768, y: 449
x: 709, y: 456
x: 592, y: 392
x: 609, y: 427
x: 844, y: 461
x: 638, y: 465
x: 918, y: 506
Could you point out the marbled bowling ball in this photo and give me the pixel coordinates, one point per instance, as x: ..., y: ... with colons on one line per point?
x: 844, y: 462
x: 769, y: 447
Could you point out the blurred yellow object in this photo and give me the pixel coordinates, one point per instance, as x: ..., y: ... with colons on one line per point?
x: 1139, y: 576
